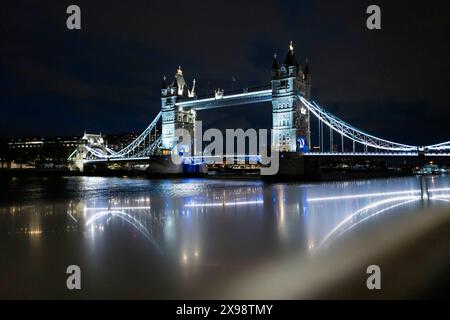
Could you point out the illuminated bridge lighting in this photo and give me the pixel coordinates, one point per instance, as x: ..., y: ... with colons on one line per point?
x: 72, y: 217
x: 439, y: 189
x: 119, y: 208
x: 32, y: 232
x: 405, y: 197
x: 364, y: 195
x: 445, y: 197
x: 375, y: 214
x: 127, y: 218
x: 143, y: 147
x: 363, y: 210
x: 223, y: 204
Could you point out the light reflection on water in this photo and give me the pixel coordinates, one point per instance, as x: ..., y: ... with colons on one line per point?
x: 184, y: 233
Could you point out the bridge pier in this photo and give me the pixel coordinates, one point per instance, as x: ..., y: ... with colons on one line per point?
x: 163, y: 165
x: 297, y: 166
x: 79, y: 164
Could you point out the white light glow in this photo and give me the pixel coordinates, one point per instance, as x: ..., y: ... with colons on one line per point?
x: 377, y: 213
x: 363, y: 195
x: 438, y: 189
x: 223, y: 204
x: 119, y: 208
x: 366, y: 208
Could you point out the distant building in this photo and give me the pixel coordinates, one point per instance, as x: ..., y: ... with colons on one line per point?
x: 117, y: 142
x: 33, y: 152
x: 40, y: 152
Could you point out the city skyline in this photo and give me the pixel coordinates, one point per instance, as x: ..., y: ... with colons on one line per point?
x: 106, y: 77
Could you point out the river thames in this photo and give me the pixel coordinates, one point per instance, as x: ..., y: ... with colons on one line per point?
x: 205, y: 238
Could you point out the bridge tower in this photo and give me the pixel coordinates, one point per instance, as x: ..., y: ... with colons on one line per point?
x: 290, y: 119
x: 174, y: 117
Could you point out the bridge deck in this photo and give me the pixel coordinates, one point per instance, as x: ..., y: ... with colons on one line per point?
x: 374, y: 154
x: 256, y: 157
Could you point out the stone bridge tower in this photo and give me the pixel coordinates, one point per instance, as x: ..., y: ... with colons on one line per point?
x: 290, y: 119
x: 174, y: 117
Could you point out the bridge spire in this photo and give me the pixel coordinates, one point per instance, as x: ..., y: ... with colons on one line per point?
x: 191, y: 93
x: 275, y: 69
x: 306, y: 68
x: 274, y: 63
x: 290, y: 57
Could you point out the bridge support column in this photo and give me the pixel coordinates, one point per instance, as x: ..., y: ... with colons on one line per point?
x: 296, y: 166
x: 290, y: 119
x: 163, y: 165
x: 176, y: 117
x: 79, y: 164
x: 85, y: 146
x: 291, y: 164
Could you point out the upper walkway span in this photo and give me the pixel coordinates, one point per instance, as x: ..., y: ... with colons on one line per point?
x: 228, y: 100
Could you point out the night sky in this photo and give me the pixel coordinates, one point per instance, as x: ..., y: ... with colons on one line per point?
x: 392, y: 82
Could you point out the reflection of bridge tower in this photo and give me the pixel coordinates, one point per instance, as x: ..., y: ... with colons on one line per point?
x: 176, y: 118
x: 290, y: 119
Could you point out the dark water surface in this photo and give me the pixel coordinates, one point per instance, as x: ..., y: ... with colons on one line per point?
x: 138, y: 238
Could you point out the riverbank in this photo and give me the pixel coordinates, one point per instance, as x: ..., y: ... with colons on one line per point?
x: 67, y: 173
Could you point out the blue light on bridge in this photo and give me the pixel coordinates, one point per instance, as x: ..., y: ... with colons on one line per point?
x: 183, y: 150
x: 302, y: 146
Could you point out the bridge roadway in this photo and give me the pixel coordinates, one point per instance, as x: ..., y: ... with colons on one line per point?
x: 212, y: 159
x: 374, y: 154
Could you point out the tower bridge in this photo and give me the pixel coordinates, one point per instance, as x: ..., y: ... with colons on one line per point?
x: 292, y: 108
